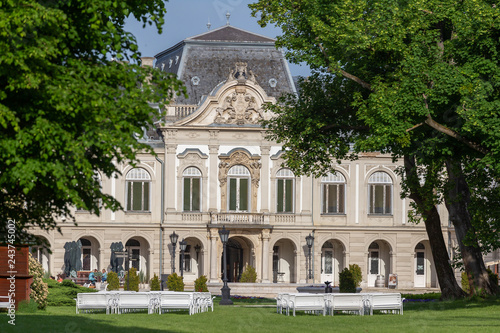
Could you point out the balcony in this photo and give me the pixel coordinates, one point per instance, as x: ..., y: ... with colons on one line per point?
x: 177, y: 112
x: 239, y: 218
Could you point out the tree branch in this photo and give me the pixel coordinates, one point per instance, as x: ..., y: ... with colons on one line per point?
x: 349, y: 76
x: 448, y: 131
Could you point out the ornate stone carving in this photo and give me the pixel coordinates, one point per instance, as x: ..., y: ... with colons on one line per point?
x: 252, y: 163
x: 241, y: 73
x: 239, y: 108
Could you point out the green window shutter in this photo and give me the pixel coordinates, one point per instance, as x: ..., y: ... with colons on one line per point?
x: 244, y: 194
x: 146, y: 196
x: 324, y: 199
x: 280, y: 195
x: 289, y: 195
x: 232, y: 193
x: 136, y: 195
x: 196, y: 194
x: 187, y: 194
x: 129, y: 195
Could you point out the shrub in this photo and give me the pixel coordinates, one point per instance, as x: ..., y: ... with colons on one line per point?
x: 356, y: 274
x: 346, y: 281
x: 465, y: 283
x: 113, y: 281
x: 131, y: 281
x: 64, y: 293
x: 249, y: 275
x: 39, y: 289
x: 175, y: 282
x: 154, y: 284
x: 200, y: 284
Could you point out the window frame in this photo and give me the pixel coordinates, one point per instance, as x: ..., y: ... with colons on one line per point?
x: 238, y: 177
x: 285, y: 175
x: 384, y: 182
x: 130, y: 180
x: 195, y: 176
x: 336, y: 180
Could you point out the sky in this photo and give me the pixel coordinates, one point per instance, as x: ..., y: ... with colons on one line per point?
x: 186, y: 18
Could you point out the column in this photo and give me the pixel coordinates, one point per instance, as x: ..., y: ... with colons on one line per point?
x: 213, y: 177
x: 213, y: 256
x: 265, y: 256
x: 101, y: 260
x: 170, y: 177
x: 265, y: 179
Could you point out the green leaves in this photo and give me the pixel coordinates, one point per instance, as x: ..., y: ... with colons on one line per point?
x: 66, y: 110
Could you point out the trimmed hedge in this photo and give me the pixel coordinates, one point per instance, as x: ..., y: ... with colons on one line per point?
x: 175, y: 282
x: 154, y: 284
x: 249, y: 275
x: 200, y: 284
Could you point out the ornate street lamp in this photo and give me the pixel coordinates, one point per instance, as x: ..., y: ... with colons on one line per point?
x: 309, y: 241
x: 182, y: 246
x: 226, y: 292
x: 173, y: 240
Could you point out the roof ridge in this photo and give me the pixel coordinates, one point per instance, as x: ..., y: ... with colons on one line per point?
x: 219, y: 35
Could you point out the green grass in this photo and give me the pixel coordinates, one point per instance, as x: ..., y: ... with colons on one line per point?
x: 457, y: 316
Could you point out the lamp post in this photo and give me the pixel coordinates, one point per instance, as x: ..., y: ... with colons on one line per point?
x: 226, y: 292
x: 182, y: 247
x: 309, y: 241
x: 173, y: 240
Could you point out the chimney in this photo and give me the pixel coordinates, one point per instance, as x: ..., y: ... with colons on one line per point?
x: 147, y: 61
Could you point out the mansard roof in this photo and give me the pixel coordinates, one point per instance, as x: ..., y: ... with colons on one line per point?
x: 229, y: 33
x: 204, y: 62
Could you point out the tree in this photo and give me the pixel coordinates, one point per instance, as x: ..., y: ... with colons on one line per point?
x: 419, y: 80
x: 70, y: 104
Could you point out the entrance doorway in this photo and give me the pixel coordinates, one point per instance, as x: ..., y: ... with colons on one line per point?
x: 420, y: 270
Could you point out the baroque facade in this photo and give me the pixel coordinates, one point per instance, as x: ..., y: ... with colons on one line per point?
x: 215, y: 168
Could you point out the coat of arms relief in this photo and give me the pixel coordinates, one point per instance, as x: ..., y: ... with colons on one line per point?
x: 240, y: 107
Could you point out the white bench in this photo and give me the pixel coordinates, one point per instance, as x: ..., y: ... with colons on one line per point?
x: 136, y: 301
x: 5, y: 302
x: 346, y: 302
x: 386, y: 301
x: 306, y: 302
x: 176, y: 301
x: 95, y: 301
x: 202, y: 301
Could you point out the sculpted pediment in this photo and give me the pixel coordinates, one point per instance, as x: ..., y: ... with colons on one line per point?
x: 236, y: 102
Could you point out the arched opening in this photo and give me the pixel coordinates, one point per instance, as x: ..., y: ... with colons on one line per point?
x: 193, y: 259
x: 332, y: 261
x: 379, y: 263
x: 284, y: 254
x: 89, y: 253
x: 41, y: 255
x: 239, y: 255
x: 138, y: 256
x: 425, y: 275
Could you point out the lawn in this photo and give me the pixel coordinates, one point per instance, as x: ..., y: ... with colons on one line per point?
x: 250, y: 316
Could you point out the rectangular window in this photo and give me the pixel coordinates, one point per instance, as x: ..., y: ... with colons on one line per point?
x: 374, y: 263
x: 333, y: 198
x: 138, y: 196
x: 380, y: 199
x: 191, y: 194
x: 285, y: 196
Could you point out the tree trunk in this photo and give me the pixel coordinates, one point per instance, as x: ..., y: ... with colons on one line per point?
x: 446, y: 277
x: 457, y: 200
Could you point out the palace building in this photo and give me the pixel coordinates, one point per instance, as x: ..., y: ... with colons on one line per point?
x: 215, y: 168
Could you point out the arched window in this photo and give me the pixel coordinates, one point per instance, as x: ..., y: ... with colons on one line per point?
x: 380, y: 193
x: 284, y: 191
x: 138, y: 190
x: 239, y: 188
x: 333, y: 187
x: 192, y: 189
x: 133, y: 248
